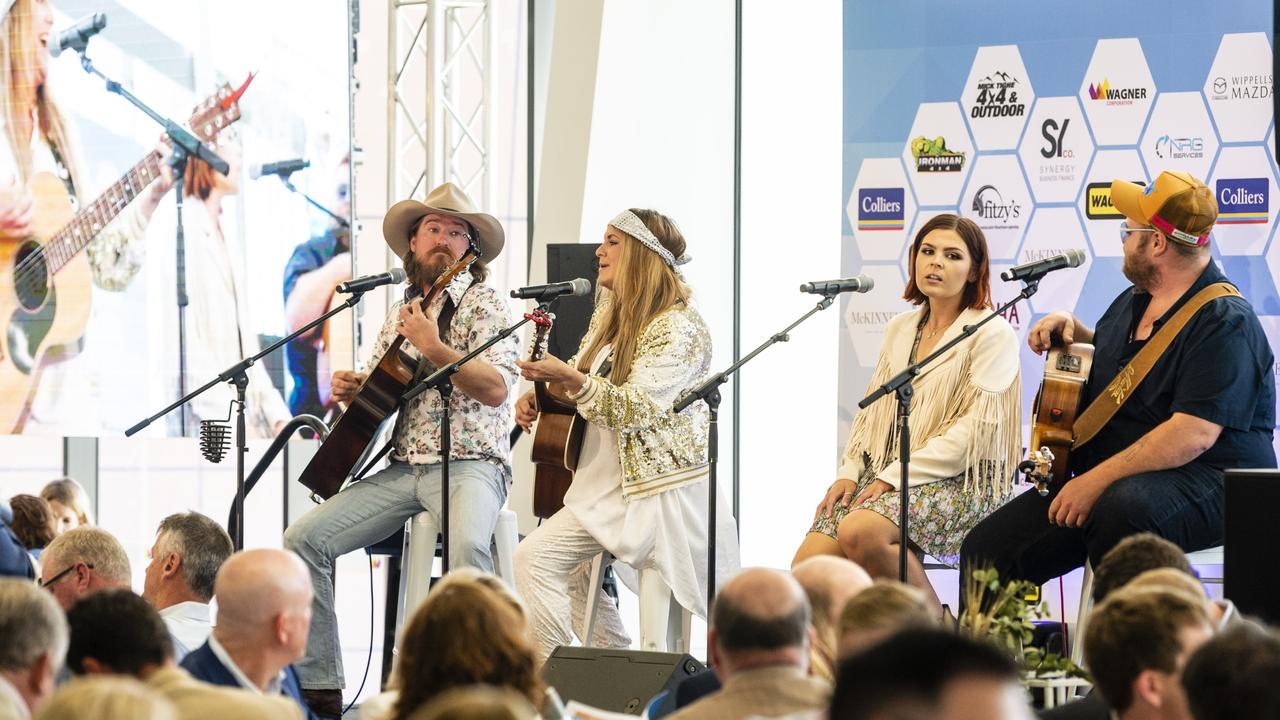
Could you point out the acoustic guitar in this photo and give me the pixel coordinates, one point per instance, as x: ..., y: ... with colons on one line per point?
x: 1066, y: 372
x: 557, y: 443
x: 373, y: 405
x: 45, y: 280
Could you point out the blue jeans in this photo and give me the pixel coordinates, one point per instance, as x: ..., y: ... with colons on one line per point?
x: 374, y: 508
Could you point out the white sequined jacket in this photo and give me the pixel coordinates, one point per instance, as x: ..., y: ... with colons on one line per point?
x: 659, y: 449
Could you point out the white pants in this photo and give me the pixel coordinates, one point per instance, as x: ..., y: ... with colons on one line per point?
x: 553, y: 573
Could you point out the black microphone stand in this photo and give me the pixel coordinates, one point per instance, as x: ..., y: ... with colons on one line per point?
x: 709, y: 392
x: 441, y: 381
x: 185, y: 145
x: 238, y: 376
x: 288, y: 183
x: 900, y: 386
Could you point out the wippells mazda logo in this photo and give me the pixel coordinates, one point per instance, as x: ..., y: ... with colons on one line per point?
x: 1116, y: 95
x: 1243, y: 87
x: 997, y: 97
x: 1179, y: 148
x: 989, y: 204
x: 933, y: 155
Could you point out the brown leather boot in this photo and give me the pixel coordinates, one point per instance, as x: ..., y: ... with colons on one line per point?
x: 326, y: 704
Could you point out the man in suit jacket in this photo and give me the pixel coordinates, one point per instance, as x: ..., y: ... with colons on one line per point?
x: 33, y: 641
x: 264, y: 615
x: 118, y: 633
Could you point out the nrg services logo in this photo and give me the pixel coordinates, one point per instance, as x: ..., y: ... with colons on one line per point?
x: 1242, y: 201
x: 1116, y: 95
x: 1179, y: 148
x: 881, y: 209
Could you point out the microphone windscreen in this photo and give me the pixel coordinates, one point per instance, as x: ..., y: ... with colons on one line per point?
x: 398, y: 275
x: 255, y: 171
x: 1075, y: 257
x: 581, y: 286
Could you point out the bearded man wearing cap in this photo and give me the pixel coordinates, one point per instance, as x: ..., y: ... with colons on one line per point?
x: 1207, y: 403
x: 430, y: 237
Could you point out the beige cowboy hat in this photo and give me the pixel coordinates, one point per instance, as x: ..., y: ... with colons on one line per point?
x: 448, y: 199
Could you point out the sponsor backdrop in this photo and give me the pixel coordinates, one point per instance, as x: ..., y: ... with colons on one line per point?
x: 1019, y: 117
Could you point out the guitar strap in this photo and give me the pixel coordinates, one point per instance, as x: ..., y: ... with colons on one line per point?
x: 1121, y: 387
x: 443, y: 322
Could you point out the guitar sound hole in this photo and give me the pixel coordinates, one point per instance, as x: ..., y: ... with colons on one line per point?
x: 31, y: 277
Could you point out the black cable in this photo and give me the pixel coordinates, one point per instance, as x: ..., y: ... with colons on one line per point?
x: 368, y: 661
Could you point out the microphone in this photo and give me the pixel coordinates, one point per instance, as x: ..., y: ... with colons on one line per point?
x: 394, y: 276
x: 1038, y: 269
x: 574, y: 287
x: 858, y: 284
x: 284, y: 168
x: 77, y: 36
x: 215, y: 438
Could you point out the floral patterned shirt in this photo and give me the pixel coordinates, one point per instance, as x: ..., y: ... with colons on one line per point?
x: 478, y: 432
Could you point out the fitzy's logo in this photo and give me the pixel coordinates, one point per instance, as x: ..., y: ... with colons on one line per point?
x: 989, y: 204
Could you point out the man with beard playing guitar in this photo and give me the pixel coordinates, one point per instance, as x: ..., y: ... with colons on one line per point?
x: 430, y: 238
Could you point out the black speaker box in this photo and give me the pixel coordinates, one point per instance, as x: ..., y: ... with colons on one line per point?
x: 616, y: 680
x: 566, y: 261
x: 1251, y: 542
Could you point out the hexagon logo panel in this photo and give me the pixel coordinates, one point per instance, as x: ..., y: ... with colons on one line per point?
x: 1179, y: 136
x: 879, y: 208
x: 997, y: 97
x: 998, y: 200
x: 938, y: 153
x: 1002, y: 291
x: 1056, y: 149
x: 1245, y: 189
x: 1240, y: 86
x: 1053, y: 231
x: 1117, y: 91
x: 1101, y: 220
x: 867, y: 314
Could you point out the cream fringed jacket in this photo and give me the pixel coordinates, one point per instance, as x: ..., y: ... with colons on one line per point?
x: 965, y: 413
x: 659, y: 449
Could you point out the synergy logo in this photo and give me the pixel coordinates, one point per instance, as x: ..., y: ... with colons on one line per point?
x: 1242, y: 201
x: 1097, y: 201
x: 1116, y: 96
x: 989, y: 204
x: 1179, y: 148
x: 881, y: 208
x: 933, y: 155
x: 997, y: 97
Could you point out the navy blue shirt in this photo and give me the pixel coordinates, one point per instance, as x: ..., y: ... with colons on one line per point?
x: 300, y: 355
x: 1219, y: 368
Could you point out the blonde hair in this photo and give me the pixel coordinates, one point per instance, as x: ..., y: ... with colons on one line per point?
x: 107, y: 697
x: 886, y: 604
x: 476, y: 702
x: 644, y: 287
x: 17, y: 45
x: 71, y: 494
x: 92, y: 546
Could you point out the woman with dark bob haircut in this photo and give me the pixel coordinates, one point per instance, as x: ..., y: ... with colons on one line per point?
x: 965, y: 424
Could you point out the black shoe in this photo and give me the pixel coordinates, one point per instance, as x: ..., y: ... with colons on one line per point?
x: 326, y: 704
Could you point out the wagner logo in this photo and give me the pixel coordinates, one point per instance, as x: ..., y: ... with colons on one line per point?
x: 881, y: 209
x: 1242, y: 201
x: 1179, y: 148
x: 933, y: 155
x: 1115, y: 95
x: 990, y: 205
x: 1097, y: 201
x: 997, y: 97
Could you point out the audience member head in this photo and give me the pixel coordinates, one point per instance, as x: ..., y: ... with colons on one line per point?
x: 1136, y: 644
x: 829, y: 582
x: 493, y: 582
x: 760, y: 618
x: 189, y: 550
x: 114, y: 632
x: 465, y: 633
x: 1234, y: 675
x: 929, y: 673
x: 33, y: 521
x: 34, y: 633
x: 1133, y: 556
x: 264, y: 608
x: 107, y: 698
x: 879, y: 611
x: 82, y: 560
x: 476, y: 702
x: 70, y: 503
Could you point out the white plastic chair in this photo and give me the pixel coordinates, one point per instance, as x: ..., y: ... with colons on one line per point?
x: 664, y: 624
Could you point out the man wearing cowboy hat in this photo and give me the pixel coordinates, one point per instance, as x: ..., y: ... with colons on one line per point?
x: 430, y: 237
x: 1207, y: 403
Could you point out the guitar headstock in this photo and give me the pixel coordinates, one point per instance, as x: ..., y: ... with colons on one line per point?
x: 471, y: 254
x: 1038, y: 467
x: 541, y: 328
x: 217, y: 111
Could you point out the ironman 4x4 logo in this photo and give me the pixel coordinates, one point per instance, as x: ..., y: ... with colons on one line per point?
x: 881, y: 208
x: 1114, y: 95
x: 1097, y: 201
x: 933, y: 155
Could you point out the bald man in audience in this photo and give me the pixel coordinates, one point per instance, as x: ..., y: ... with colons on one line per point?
x: 82, y: 560
x: 33, y: 643
x: 829, y: 582
x: 759, y: 647
x: 264, y: 615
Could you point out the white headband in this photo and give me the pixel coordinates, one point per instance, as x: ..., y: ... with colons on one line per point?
x: 629, y: 223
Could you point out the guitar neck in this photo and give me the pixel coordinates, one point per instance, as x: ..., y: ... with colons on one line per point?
x: 95, y: 216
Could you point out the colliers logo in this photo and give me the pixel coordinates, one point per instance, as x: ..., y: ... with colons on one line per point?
x: 1179, y: 148
x: 933, y: 155
x: 1097, y: 201
x: 989, y: 204
x: 1242, y: 201
x: 1116, y: 95
x: 881, y: 208
x: 997, y: 97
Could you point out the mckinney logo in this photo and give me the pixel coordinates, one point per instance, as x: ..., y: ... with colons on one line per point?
x: 1097, y: 201
x: 880, y: 209
x: 1242, y: 87
x: 1116, y: 96
x: 990, y: 205
x: 870, y: 317
x: 1242, y: 201
x: 933, y: 155
x: 997, y: 97
x: 1179, y: 148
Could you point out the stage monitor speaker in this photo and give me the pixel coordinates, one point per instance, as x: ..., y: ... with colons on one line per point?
x: 616, y: 680
x: 1252, y: 545
x: 566, y: 261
